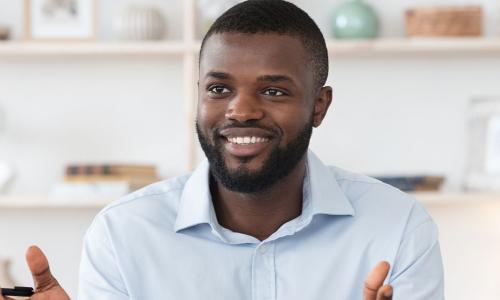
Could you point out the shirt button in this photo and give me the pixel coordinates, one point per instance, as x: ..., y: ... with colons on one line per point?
x: 263, y: 249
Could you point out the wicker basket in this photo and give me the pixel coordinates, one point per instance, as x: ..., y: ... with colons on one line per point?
x: 444, y: 21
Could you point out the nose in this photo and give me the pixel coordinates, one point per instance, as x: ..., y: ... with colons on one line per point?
x: 244, y: 108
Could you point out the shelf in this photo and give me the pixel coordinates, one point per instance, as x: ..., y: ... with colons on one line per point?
x: 18, y: 202
x: 436, y: 198
x: 178, y: 48
x: 415, y: 46
x: 150, y: 48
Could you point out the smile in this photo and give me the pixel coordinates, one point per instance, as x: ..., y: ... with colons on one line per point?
x: 246, y: 146
x: 245, y: 140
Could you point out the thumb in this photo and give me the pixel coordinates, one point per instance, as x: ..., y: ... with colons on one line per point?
x: 39, y: 267
x: 375, y: 280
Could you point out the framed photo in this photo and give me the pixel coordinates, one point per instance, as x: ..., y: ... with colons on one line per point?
x: 60, y: 19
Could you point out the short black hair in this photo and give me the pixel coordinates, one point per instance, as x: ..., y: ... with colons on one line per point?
x: 276, y: 16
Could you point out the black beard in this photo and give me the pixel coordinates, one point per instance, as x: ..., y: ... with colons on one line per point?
x: 280, y: 163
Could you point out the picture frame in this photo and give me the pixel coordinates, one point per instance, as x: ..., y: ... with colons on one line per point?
x: 70, y: 20
x: 483, y: 157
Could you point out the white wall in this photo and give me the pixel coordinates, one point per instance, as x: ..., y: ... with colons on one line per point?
x: 404, y: 115
x: 390, y: 114
x: 90, y: 110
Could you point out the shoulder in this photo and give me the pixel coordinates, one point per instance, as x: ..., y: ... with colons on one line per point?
x: 359, y: 187
x: 157, y: 202
x: 374, y: 199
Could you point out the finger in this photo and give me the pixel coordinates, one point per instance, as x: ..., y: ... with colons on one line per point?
x: 385, y: 292
x: 375, y: 280
x: 39, y: 267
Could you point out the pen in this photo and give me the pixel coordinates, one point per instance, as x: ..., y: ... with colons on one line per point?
x: 19, y: 291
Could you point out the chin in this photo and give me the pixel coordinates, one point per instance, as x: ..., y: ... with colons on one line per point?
x: 249, y: 164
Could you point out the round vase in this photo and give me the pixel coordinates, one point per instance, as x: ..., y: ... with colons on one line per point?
x: 140, y: 23
x: 5, y: 278
x: 355, y: 19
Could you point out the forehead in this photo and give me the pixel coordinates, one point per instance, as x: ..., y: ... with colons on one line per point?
x: 260, y: 53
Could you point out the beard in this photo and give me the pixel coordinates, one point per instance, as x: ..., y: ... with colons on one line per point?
x: 278, y: 165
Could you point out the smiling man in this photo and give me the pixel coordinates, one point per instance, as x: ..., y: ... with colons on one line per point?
x: 263, y: 217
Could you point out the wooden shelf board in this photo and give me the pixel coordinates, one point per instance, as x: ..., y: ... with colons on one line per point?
x: 427, y: 198
x: 457, y: 197
x: 172, y: 48
x: 48, y: 202
x: 414, y: 46
x: 162, y: 48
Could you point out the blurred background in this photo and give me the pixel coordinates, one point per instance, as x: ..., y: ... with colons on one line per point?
x: 97, y: 98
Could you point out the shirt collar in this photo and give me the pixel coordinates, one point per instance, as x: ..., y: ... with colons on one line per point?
x: 195, y: 206
x: 324, y: 196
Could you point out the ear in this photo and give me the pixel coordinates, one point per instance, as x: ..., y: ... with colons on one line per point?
x: 321, y: 104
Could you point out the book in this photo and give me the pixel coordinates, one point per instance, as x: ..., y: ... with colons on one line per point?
x: 134, y: 181
x: 110, y: 169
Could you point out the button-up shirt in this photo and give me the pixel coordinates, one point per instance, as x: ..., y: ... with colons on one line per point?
x: 164, y: 242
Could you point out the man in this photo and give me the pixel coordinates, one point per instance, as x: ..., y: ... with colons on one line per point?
x: 263, y: 218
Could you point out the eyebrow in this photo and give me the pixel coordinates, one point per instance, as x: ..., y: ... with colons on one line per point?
x: 262, y: 78
x: 275, y: 78
x: 219, y: 75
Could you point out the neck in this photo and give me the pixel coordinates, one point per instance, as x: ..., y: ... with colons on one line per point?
x: 260, y: 214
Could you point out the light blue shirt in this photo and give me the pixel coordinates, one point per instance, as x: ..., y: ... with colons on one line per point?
x: 164, y: 242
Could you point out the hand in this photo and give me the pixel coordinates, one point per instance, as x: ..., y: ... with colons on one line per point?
x: 374, y: 288
x: 46, y: 286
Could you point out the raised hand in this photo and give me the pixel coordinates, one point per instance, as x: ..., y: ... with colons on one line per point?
x: 46, y: 286
x: 374, y: 288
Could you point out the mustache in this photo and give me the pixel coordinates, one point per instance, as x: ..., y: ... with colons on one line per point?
x: 249, y: 124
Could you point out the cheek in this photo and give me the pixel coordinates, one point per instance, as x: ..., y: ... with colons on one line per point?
x: 292, y: 120
x: 209, y: 115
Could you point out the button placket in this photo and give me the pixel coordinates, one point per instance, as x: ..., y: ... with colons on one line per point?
x: 264, y: 273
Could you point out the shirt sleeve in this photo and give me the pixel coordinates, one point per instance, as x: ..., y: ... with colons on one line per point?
x: 100, y: 277
x: 417, y: 273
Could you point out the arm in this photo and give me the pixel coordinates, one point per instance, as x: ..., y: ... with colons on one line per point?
x: 100, y: 277
x: 418, y: 271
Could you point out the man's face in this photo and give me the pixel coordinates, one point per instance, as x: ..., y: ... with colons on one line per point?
x: 256, y: 103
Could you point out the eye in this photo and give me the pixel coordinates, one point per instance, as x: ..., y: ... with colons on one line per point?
x: 218, y: 89
x: 273, y: 92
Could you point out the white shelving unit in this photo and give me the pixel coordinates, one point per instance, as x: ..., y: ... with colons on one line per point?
x: 186, y: 49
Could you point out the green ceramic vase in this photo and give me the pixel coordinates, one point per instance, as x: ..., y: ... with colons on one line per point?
x: 354, y: 19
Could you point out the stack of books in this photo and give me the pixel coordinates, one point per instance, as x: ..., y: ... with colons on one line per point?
x: 104, y: 180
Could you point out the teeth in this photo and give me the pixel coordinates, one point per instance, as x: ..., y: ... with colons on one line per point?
x: 243, y: 140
